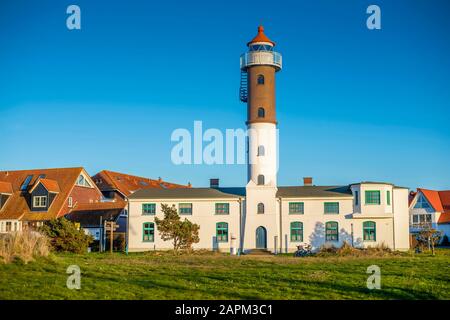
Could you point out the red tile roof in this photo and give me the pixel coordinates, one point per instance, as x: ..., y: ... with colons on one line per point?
x: 440, y: 201
x: 261, y: 37
x: 117, y: 204
x: 6, y: 187
x: 50, y: 185
x: 127, y: 184
x: 17, y: 207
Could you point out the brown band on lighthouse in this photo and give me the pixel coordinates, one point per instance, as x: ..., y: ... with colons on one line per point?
x: 261, y: 97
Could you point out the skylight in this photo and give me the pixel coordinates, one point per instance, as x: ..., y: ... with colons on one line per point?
x: 26, y: 183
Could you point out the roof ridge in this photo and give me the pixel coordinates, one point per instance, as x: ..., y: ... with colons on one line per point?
x: 41, y: 169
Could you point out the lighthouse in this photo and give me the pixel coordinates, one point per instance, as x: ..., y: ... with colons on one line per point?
x: 258, y: 68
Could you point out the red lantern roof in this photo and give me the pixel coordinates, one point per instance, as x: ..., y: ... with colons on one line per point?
x: 261, y: 37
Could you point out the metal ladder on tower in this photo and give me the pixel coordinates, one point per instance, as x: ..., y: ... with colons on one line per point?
x: 243, y: 91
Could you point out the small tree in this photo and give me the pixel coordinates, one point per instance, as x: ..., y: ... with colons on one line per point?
x: 428, y: 236
x: 65, y: 236
x: 183, y: 233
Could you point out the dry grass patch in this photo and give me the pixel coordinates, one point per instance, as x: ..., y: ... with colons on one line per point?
x: 23, y: 245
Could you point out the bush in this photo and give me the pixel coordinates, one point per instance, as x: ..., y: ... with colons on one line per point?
x: 65, y: 236
x: 182, y: 233
x: 23, y: 245
x: 347, y: 250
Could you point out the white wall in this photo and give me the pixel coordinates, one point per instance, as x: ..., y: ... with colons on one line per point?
x: 269, y: 220
x: 203, y: 214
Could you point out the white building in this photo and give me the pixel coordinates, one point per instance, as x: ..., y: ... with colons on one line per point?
x: 263, y: 215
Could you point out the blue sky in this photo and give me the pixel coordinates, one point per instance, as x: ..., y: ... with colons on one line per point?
x: 353, y: 104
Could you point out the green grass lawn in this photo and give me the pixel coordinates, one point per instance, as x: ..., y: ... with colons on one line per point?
x: 216, y: 276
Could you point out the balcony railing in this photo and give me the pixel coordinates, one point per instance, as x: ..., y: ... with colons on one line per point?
x: 252, y: 58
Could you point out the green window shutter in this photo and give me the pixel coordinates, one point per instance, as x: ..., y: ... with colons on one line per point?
x: 356, y: 198
x: 369, y: 231
x: 388, y: 197
x: 331, y: 207
x: 296, y: 208
x: 148, y: 232
x: 296, y: 231
x: 373, y: 197
x: 148, y: 208
x: 222, y: 232
x: 185, y: 208
x: 331, y: 231
x: 222, y: 208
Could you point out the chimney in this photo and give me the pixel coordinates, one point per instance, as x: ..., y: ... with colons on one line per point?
x: 307, y: 181
x: 214, y: 183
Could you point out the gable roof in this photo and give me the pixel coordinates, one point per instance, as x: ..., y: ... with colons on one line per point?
x: 440, y: 201
x: 18, y: 206
x: 127, y: 184
x: 50, y: 185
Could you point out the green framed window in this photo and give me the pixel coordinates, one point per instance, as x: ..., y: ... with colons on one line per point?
x: 373, y: 197
x: 222, y: 232
x: 185, y: 208
x: 331, y: 207
x: 296, y: 231
x: 356, y: 198
x: 296, y: 208
x: 222, y: 208
x: 331, y: 231
x: 148, y: 232
x: 388, y: 197
x: 148, y: 208
x: 369, y: 231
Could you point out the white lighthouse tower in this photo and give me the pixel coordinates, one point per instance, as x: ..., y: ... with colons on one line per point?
x: 258, y: 68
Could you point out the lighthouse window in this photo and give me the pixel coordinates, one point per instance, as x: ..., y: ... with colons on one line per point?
x: 260, y: 79
x: 261, y: 113
x: 259, y: 47
x: 260, y: 207
x: 261, y: 151
x: 260, y: 180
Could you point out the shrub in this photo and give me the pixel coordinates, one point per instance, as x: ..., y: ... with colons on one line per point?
x: 23, y: 245
x: 182, y: 233
x: 65, y: 236
x: 347, y: 250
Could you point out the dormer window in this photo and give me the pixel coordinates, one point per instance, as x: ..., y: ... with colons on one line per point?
x: 40, y: 201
